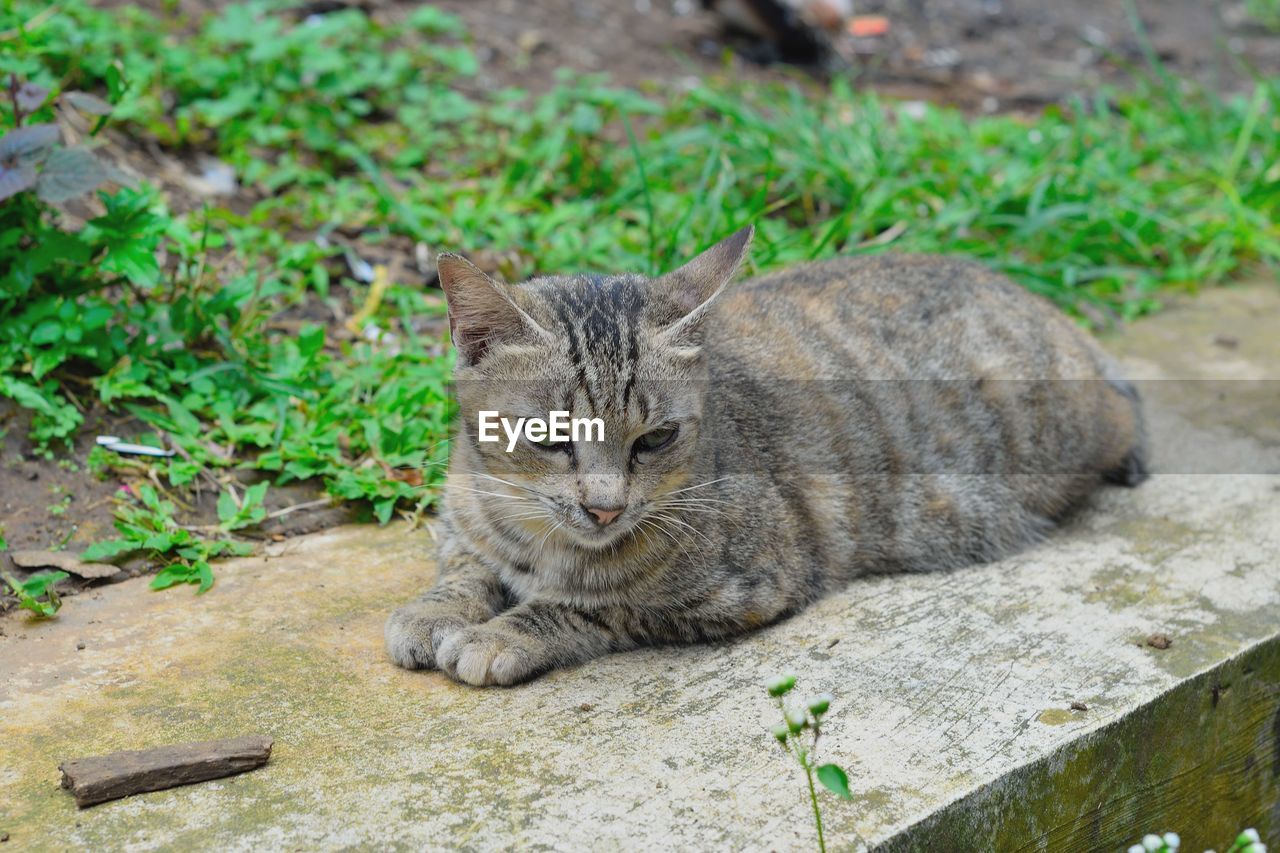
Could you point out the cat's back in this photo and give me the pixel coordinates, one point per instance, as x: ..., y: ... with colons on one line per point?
x: 901, y: 316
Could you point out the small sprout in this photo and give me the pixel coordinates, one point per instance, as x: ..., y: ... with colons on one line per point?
x: 819, y: 704
x: 780, y: 685
x: 796, y: 720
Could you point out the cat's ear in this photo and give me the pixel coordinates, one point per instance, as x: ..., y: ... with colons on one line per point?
x: 688, y: 291
x: 482, y: 312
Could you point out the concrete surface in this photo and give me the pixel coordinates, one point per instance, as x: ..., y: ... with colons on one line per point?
x: 953, y: 692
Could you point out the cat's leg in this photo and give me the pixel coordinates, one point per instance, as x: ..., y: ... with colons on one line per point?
x: 466, y: 592
x: 528, y: 640
x: 537, y: 636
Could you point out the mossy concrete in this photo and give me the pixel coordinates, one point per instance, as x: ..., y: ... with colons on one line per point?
x: 954, y: 711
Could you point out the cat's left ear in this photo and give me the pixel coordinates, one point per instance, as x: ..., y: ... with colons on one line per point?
x: 483, y: 313
x: 689, y: 291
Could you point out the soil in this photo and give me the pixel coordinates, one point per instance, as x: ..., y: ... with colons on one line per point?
x: 983, y: 55
x: 988, y: 54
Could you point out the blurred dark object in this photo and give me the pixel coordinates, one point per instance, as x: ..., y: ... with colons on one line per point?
x: 800, y: 31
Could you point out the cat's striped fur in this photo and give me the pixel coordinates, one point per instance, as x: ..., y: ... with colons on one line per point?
x: 880, y: 414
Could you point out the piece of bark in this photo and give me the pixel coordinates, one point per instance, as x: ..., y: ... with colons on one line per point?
x: 109, y: 777
x: 62, y: 560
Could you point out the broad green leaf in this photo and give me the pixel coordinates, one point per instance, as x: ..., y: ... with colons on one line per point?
x: 111, y: 548
x: 227, y: 509
x: 172, y: 575
x: 835, y: 780
x: 39, y: 583
x: 204, y: 574
x: 161, y: 542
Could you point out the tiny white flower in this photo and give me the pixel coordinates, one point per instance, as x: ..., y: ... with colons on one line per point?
x: 1137, y: 848
x: 1252, y: 835
x: 1172, y: 840
x: 1152, y: 842
x: 796, y: 720
x: 819, y: 704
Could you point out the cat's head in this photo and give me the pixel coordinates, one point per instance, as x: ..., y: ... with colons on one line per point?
x: 625, y: 349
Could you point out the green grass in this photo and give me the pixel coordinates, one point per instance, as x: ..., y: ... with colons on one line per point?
x: 339, y: 124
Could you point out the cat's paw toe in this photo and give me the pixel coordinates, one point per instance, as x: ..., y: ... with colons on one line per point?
x: 481, y: 657
x: 413, y: 634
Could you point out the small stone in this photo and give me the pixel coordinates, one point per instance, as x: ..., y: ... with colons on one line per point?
x: 1159, y: 641
x: 80, y: 647
x: 586, y: 706
x: 1079, y: 706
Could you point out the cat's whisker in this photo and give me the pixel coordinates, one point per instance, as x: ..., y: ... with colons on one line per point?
x: 659, y: 525
x: 545, y: 537
x: 699, y: 486
x: 494, y: 494
x: 503, y: 482
x: 673, y: 519
x: 519, y: 516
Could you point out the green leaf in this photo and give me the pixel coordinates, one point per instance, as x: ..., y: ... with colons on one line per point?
x: 835, y: 780
x: 204, y: 575
x: 47, y: 332
x: 40, y: 583
x: 161, y: 542
x: 172, y: 575
x: 227, y: 509
x: 111, y: 548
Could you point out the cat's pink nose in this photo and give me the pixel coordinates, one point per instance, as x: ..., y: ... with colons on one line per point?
x: 604, y: 516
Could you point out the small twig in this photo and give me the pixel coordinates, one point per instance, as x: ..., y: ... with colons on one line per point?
x: 281, y: 513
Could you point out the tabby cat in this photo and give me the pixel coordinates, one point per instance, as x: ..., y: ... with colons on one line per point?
x: 764, y: 444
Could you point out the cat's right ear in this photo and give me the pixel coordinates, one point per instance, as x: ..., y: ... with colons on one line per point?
x: 482, y: 312
x: 689, y: 291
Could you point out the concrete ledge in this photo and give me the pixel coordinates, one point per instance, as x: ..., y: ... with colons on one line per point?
x: 953, y: 692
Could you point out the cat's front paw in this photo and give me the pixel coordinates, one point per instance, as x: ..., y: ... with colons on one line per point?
x: 485, y: 654
x: 415, y: 632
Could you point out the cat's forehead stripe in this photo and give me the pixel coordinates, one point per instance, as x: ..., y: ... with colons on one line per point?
x: 601, y: 319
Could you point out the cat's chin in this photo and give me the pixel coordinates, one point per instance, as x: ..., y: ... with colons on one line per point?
x: 596, y: 540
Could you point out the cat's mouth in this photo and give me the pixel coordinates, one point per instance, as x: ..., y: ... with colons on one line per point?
x: 591, y: 535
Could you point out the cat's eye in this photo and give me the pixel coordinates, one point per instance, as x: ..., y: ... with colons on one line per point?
x: 548, y: 443
x: 655, y: 439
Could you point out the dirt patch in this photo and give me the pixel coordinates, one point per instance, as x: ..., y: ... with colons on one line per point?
x: 59, y: 504
x: 992, y: 54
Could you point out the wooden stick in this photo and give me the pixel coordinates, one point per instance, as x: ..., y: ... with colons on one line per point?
x: 109, y: 777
